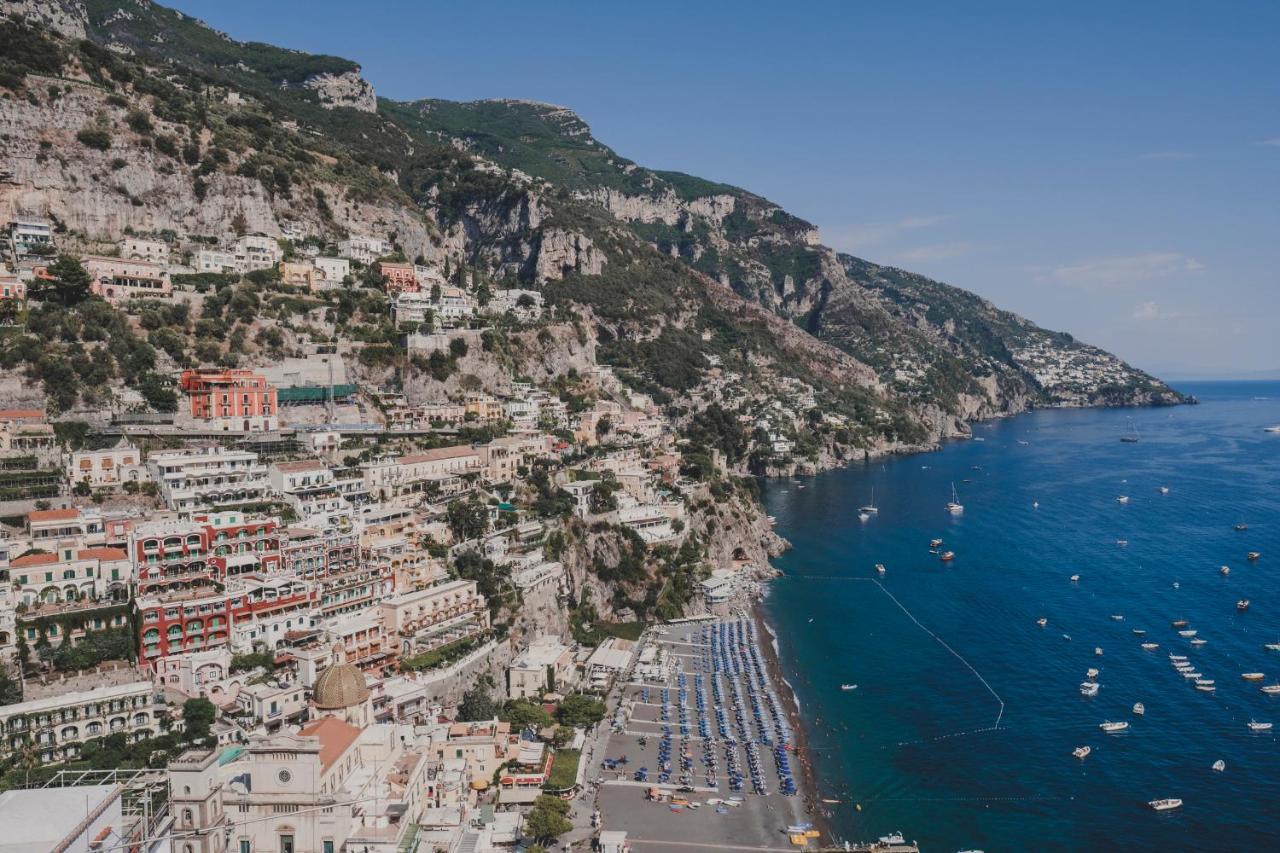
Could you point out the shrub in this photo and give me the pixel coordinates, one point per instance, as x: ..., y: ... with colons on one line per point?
x: 94, y: 138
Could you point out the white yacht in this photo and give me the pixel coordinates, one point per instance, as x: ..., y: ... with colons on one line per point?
x: 848, y: 687
x: 1082, y: 751
x: 954, y: 506
x: 1271, y: 647
x: 1255, y: 726
x: 1091, y: 672
x: 1199, y: 641
x: 1110, y: 727
x: 1187, y: 632
x: 1166, y: 804
x: 1139, y: 708
x: 870, y: 508
x: 1089, y: 688
x: 1275, y: 428
x: 1270, y: 689
x: 1042, y: 621
x: 1151, y: 647
x: 1122, y: 499
x: 1164, y: 490
x: 1219, y: 765
x: 1075, y: 579
x: 880, y: 569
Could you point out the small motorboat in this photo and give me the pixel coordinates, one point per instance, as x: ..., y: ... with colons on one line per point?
x: 935, y: 543
x: 1192, y: 675
x: 1097, y: 651
x: 1219, y: 766
x: 1179, y: 623
x: 1164, y: 490
x: 1242, y: 605
x: 1183, y: 666
x: 1089, y: 688
x: 1121, y: 543
x: 1139, y: 708
x: 1241, y: 527
x: 1255, y: 726
x: 1151, y: 647
x: 848, y: 687
x: 1166, y: 804
x: 1066, y: 637
x: 1110, y: 727
x: 1271, y: 647
x: 1187, y: 632
x: 1253, y: 556
x: 1252, y: 676
x: 1082, y: 751
x: 1075, y: 579
x: 1139, y: 631
x: 947, y: 556
x: 1117, y: 617
x: 1199, y: 641
x: 1122, y: 499
x: 1205, y: 688
x: 1271, y: 689
x: 880, y: 569
x: 1091, y: 672
x: 1177, y: 657
x: 1042, y: 621
x: 1224, y: 571
x: 1204, y: 682
x: 1177, y: 585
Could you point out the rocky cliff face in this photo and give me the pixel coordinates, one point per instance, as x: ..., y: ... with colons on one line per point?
x: 347, y: 89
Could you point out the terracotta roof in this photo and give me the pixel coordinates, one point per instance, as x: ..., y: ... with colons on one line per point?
x: 33, y: 560
x: 438, y: 453
x: 53, y: 514
x: 21, y: 415
x: 336, y: 737
x: 303, y: 465
x: 101, y: 554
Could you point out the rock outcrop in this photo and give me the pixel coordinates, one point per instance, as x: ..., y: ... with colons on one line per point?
x: 343, y: 90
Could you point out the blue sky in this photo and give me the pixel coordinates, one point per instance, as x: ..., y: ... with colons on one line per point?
x: 1112, y: 170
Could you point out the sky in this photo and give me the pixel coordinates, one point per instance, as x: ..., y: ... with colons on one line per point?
x: 1111, y: 170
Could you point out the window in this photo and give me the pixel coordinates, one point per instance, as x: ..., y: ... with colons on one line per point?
x: 244, y: 846
x: 328, y: 846
x: 286, y: 844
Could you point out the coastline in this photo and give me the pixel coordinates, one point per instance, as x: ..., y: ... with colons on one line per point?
x: 808, y: 772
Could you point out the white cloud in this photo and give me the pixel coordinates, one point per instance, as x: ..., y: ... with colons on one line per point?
x: 1124, y: 271
x: 852, y: 238
x: 934, y: 252
x: 1167, y: 155
x: 1152, y: 311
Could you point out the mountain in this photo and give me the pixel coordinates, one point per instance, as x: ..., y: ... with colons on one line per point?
x: 698, y: 293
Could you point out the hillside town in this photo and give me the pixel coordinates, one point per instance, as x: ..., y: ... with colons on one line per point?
x: 291, y: 594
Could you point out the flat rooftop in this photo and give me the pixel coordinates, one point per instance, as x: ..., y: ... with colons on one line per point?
x: 35, y: 820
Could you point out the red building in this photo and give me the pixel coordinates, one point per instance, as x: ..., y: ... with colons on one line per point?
x: 399, y: 278
x: 231, y: 400
x: 197, y: 619
x: 240, y: 546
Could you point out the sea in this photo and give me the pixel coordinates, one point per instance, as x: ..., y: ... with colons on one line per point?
x: 961, y: 729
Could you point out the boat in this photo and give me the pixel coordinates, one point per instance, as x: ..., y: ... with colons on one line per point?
x: 1177, y: 585
x: 1183, y: 666
x: 1122, y: 499
x: 1271, y: 647
x: 1275, y: 428
x: 1164, y: 490
x: 1110, y: 727
x: 1122, y: 543
x: 1199, y: 641
x: 1150, y: 646
x: 1166, y: 804
x: 1082, y: 751
x: 1066, y: 637
x: 1089, y: 688
x: 1075, y: 579
x: 1219, y: 765
x: 1131, y: 434
x: 1179, y: 623
x: 1205, y: 688
x: 1139, y: 631
x: 1259, y: 727
x: 947, y: 556
x: 1097, y: 650
x: 935, y: 543
x: 880, y: 568
x: 1253, y: 556
x: 1177, y: 657
x: 1022, y: 443
x: 1091, y: 672
x: 1242, y: 605
x: 1117, y: 617
x: 954, y: 506
x: 1271, y: 689
x: 870, y: 508
x: 1241, y: 527
x: 1139, y: 708
x: 978, y: 438
x: 1042, y: 621
x: 1224, y: 571
x: 1204, y: 682
x: 848, y: 687
x: 895, y: 838
x: 1192, y: 675
x: 1187, y: 632
x: 1252, y: 676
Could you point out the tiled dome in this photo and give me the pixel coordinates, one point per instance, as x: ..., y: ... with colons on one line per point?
x: 340, y: 686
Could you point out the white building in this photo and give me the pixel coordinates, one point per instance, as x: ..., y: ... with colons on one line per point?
x: 546, y: 666
x: 136, y: 248
x: 57, y: 725
x: 30, y: 237
x: 364, y: 249
x: 195, y: 479
x: 330, y: 272
x: 107, y: 467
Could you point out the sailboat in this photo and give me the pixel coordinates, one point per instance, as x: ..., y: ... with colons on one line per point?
x: 871, y: 508
x: 1131, y: 435
x: 954, y: 506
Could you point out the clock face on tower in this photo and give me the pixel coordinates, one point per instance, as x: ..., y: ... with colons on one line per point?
x: 284, y: 776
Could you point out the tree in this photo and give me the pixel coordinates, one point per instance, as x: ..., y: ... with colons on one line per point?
x: 83, y: 489
x: 10, y: 689
x: 525, y: 713
x: 548, y: 820
x: 197, y: 717
x: 476, y: 705
x: 68, y: 282
x: 580, y: 711
x: 468, y: 518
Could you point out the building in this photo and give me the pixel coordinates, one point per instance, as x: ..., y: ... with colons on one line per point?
x: 74, y: 819
x: 12, y: 287
x: 330, y: 272
x: 72, y: 575
x: 428, y: 618
x: 231, y: 400
x: 398, y: 278
x: 361, y: 248
x: 118, y: 280
x: 272, y: 703
x: 341, y: 693
x: 545, y: 667
x: 436, y: 471
x: 609, y: 660
x: 111, y: 466
x: 216, y: 261
x: 257, y: 252
x: 30, y: 238
x: 310, y: 488
x: 298, y: 274
x: 25, y: 432
x: 138, y: 249
x: 191, y: 480
x: 56, y: 725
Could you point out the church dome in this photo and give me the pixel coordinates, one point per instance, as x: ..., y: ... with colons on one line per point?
x: 340, y: 686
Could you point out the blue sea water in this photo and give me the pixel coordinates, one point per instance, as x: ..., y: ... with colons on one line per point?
x: 915, y: 746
